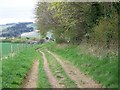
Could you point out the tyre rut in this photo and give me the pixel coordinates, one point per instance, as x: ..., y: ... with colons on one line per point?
x: 54, y: 83
x: 31, y: 79
x: 81, y: 80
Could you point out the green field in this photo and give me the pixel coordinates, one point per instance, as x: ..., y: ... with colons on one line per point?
x: 8, y: 48
x: 15, y: 69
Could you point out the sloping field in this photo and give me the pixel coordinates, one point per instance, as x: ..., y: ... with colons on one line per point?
x: 8, y: 48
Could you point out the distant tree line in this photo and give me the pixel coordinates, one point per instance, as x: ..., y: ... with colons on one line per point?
x: 16, y: 30
x: 74, y: 22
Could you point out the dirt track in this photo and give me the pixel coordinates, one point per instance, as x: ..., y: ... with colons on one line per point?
x: 31, y: 80
x: 51, y: 78
x: 81, y: 80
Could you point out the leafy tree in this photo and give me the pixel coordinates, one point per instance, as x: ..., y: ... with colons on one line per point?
x: 71, y: 21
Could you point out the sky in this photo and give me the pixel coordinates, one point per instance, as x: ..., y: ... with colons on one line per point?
x: 12, y: 11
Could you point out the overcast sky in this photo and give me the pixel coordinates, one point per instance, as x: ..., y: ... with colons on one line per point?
x: 16, y: 11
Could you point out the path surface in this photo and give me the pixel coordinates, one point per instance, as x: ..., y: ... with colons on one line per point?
x: 54, y: 83
x: 31, y: 80
x: 81, y: 80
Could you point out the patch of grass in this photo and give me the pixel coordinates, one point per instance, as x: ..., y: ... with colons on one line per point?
x: 42, y: 79
x: 15, y: 69
x: 104, y: 70
x: 0, y: 75
x: 59, y: 73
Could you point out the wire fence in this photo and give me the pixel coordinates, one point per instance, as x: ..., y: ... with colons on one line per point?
x: 10, y: 49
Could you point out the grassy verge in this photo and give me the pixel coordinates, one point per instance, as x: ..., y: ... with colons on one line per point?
x: 0, y: 75
x: 42, y: 77
x: 104, y: 70
x: 15, y: 69
x: 59, y: 73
